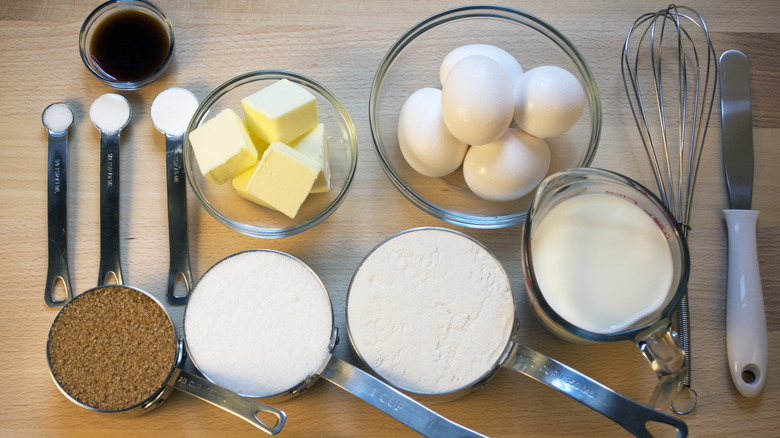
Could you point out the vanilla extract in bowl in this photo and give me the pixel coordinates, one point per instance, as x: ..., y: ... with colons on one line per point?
x: 127, y: 43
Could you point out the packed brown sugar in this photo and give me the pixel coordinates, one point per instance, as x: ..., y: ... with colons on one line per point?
x: 112, y: 348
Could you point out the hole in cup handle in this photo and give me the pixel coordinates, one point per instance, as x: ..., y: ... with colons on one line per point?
x: 662, y: 348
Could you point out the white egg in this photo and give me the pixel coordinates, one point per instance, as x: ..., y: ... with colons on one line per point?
x: 477, y: 101
x: 508, y: 168
x: 548, y: 101
x: 501, y: 56
x: 426, y: 143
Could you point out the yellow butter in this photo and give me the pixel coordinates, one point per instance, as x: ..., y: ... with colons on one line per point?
x: 280, y: 112
x: 281, y: 180
x: 315, y: 144
x: 222, y: 146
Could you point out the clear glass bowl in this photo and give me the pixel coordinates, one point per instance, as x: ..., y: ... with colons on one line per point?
x: 413, y: 63
x: 108, y: 9
x: 246, y: 217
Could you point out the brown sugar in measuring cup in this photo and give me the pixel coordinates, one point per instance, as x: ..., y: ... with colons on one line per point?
x: 114, y: 349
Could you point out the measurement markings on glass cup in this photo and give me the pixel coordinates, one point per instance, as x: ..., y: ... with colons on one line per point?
x: 388, y: 399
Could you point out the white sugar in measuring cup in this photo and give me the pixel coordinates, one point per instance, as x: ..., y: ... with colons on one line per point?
x: 177, y: 378
x: 110, y: 113
x: 651, y: 331
x: 57, y: 119
x: 171, y: 112
x: 424, y: 303
x: 260, y: 323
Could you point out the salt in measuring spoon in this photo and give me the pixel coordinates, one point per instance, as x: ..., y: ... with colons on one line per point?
x: 171, y: 112
x: 57, y: 118
x: 110, y: 113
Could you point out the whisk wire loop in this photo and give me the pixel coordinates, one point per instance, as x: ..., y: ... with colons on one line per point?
x: 673, y: 140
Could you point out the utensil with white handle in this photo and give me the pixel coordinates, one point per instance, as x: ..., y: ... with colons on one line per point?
x: 746, y: 338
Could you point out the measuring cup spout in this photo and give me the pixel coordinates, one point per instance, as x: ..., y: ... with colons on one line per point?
x: 661, y: 346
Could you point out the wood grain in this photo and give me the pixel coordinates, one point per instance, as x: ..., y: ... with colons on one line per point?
x: 341, y: 43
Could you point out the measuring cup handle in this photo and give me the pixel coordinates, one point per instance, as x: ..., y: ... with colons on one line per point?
x: 391, y: 401
x: 241, y: 407
x: 631, y: 415
x: 179, y: 264
x: 661, y: 346
x: 109, y: 209
x: 58, y: 221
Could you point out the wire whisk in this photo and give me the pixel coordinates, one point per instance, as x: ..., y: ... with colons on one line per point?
x: 670, y: 74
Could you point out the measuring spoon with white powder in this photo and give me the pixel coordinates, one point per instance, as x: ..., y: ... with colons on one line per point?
x: 171, y: 112
x: 57, y: 118
x: 432, y: 311
x: 260, y: 323
x: 110, y: 113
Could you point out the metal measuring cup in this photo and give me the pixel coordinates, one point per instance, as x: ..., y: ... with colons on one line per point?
x: 177, y: 378
x: 653, y: 333
x: 337, y: 371
x: 629, y: 414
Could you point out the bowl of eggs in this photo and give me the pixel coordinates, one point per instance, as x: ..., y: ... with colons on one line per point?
x: 471, y: 108
x: 270, y: 153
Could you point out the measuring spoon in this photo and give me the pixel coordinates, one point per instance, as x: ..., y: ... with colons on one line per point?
x: 57, y: 118
x: 109, y: 113
x: 171, y: 112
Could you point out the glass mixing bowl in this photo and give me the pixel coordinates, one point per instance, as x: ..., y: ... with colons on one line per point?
x: 413, y: 63
x: 246, y: 217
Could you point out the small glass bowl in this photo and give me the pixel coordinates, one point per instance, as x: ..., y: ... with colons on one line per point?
x: 413, y: 63
x: 92, y: 24
x: 246, y: 217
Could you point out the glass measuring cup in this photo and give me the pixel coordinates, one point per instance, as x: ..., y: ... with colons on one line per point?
x: 651, y: 329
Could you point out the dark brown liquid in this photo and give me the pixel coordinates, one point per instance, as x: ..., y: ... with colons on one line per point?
x: 129, y: 45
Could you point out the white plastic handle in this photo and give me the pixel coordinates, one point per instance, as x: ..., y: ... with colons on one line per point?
x: 746, y: 340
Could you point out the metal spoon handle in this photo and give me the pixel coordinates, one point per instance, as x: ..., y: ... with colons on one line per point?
x: 631, y: 415
x: 391, y: 401
x: 109, y: 208
x: 241, y: 407
x: 177, y: 220
x: 58, y: 220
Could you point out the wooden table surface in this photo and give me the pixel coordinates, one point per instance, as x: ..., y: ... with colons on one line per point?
x: 340, y: 43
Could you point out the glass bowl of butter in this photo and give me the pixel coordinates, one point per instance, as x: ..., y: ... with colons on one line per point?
x: 491, y: 64
x: 270, y: 153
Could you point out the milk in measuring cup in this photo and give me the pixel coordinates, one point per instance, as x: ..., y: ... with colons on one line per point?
x: 602, y: 263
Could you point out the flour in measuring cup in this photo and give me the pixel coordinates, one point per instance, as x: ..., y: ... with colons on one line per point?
x: 259, y: 323
x: 430, y: 310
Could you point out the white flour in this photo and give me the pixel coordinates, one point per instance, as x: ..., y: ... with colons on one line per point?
x: 172, y: 110
x: 258, y: 323
x: 430, y: 310
x: 110, y: 113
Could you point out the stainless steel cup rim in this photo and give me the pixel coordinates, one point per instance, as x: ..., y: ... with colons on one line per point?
x: 670, y: 224
x: 306, y: 382
x: 479, y: 382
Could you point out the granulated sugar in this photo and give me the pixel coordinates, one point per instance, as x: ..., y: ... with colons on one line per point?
x: 258, y: 323
x: 57, y: 117
x: 430, y: 310
x: 112, y: 348
x: 110, y: 113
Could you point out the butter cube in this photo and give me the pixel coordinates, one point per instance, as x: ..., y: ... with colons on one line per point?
x: 222, y: 146
x: 315, y: 144
x: 280, y: 112
x: 281, y: 180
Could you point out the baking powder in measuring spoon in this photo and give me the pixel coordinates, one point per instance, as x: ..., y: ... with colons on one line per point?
x: 602, y: 263
x: 430, y: 310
